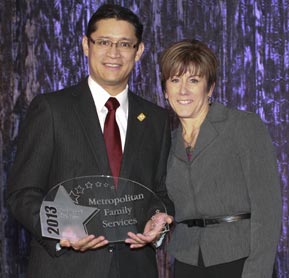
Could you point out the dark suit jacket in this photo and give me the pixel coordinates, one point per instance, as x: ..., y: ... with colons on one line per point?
x: 61, y: 139
x: 232, y: 170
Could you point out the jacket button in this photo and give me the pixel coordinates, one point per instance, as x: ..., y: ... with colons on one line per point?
x: 110, y: 249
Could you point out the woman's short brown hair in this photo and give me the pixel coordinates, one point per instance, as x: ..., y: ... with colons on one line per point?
x: 188, y: 55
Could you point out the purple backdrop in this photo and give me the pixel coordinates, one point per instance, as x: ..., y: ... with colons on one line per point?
x: 41, y: 52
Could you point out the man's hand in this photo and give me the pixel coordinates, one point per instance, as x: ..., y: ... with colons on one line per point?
x: 152, y: 231
x: 86, y: 243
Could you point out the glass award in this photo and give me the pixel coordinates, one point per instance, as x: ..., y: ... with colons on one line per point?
x: 89, y: 205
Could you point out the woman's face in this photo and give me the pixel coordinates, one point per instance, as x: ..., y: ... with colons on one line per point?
x: 188, y: 94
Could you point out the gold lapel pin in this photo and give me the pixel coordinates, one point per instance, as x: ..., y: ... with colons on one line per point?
x: 141, y: 117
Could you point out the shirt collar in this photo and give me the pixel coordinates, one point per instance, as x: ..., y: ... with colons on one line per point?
x: 101, y: 96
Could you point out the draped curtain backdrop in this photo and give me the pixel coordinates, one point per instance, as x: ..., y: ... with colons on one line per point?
x: 41, y: 52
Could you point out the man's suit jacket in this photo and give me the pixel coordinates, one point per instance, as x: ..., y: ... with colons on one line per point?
x: 232, y: 170
x: 60, y: 139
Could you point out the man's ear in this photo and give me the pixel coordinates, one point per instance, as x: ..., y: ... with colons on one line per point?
x: 139, y: 52
x: 85, y: 46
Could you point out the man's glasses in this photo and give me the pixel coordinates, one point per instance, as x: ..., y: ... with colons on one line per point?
x: 120, y: 45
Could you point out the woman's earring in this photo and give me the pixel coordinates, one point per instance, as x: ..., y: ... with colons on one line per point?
x: 166, y: 98
x: 167, y: 101
x: 210, y: 99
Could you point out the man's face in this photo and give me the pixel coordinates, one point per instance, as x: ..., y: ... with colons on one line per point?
x: 110, y: 67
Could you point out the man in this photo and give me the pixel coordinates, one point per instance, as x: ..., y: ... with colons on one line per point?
x: 62, y: 138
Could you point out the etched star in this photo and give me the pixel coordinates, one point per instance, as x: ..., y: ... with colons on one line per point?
x: 89, y: 185
x: 74, y: 197
x: 63, y: 219
x: 79, y: 189
x: 98, y: 184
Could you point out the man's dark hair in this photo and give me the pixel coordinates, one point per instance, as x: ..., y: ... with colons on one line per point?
x: 107, y: 11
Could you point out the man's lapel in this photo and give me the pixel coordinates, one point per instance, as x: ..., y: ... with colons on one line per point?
x: 86, y: 112
x: 134, y: 136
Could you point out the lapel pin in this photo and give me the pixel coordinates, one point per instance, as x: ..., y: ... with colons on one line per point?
x: 141, y: 117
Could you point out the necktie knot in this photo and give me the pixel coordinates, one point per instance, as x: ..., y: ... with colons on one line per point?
x: 112, y: 104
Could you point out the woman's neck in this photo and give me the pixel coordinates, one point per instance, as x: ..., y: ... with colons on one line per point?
x: 191, y: 127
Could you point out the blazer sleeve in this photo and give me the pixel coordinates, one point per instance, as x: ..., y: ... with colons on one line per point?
x: 28, y: 179
x: 260, y: 169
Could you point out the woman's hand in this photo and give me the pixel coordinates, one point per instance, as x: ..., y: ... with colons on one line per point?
x: 154, y: 228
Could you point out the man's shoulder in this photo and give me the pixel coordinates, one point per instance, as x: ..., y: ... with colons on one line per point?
x: 74, y: 89
x: 66, y: 92
x: 146, y: 104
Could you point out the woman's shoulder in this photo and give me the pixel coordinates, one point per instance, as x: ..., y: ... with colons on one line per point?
x: 247, y: 118
x: 236, y: 114
x: 237, y: 122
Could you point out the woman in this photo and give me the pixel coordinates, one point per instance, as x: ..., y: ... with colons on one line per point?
x: 221, y: 175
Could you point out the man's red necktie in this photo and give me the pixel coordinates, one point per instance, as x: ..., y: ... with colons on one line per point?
x: 112, y: 138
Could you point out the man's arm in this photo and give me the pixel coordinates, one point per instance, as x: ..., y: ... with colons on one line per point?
x: 30, y: 174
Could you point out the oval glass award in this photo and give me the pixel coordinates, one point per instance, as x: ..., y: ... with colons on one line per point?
x: 88, y: 205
